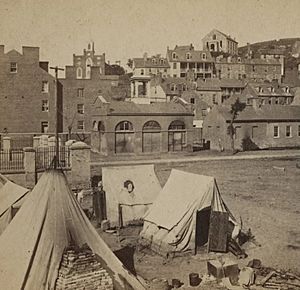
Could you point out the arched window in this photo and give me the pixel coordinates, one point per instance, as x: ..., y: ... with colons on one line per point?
x: 79, y: 73
x: 89, y: 64
x: 95, y: 126
x: 188, y: 56
x: 176, y: 136
x: 124, y: 137
x: 174, y: 55
x: 151, y: 136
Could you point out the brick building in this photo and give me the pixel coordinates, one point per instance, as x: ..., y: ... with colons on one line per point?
x: 263, y: 127
x: 185, y: 59
x: 126, y: 127
x: 217, y: 41
x: 79, y: 94
x: 27, y: 95
x: 84, y: 63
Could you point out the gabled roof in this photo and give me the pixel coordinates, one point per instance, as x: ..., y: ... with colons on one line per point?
x: 217, y: 84
x: 151, y: 62
x: 195, y: 55
x: 222, y: 33
x: 130, y: 108
x: 268, y: 89
x: 264, y: 113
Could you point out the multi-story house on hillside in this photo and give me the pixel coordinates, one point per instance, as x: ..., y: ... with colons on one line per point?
x: 249, y: 69
x: 217, y: 41
x: 185, y: 59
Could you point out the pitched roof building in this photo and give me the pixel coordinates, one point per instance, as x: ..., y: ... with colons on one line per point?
x: 217, y: 41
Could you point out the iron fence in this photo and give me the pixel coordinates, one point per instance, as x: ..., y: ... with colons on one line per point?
x: 44, y: 157
x: 11, y: 160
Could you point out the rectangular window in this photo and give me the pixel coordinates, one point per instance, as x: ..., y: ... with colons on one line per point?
x: 13, y: 67
x: 45, y: 87
x: 204, y: 112
x: 254, y: 131
x: 45, y: 106
x: 174, y: 65
x: 80, y: 125
x: 80, y: 92
x: 192, y: 100
x: 288, y: 131
x: 276, y: 132
x: 80, y: 108
x: 44, y: 127
x: 214, y: 99
x: 298, y: 130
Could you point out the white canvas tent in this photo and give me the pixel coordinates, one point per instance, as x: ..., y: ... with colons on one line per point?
x: 11, y: 198
x: 49, y: 220
x: 173, y: 224
x: 129, y: 189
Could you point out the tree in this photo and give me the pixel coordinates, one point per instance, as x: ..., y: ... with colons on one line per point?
x: 236, y: 108
x: 114, y: 69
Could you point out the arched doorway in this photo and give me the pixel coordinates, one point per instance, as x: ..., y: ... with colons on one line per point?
x: 151, y: 136
x: 124, y: 137
x: 176, y: 136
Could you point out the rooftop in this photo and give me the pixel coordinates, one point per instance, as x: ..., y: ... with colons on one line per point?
x: 264, y: 113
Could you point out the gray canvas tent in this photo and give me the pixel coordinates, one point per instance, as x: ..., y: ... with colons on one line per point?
x: 49, y: 220
x: 11, y: 197
x: 188, y: 213
x: 130, y: 191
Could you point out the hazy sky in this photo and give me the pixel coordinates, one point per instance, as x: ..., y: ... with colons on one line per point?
x: 127, y: 28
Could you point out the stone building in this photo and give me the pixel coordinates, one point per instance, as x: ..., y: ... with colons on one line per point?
x: 130, y: 128
x: 248, y: 69
x: 84, y: 63
x: 185, y: 60
x: 217, y: 41
x: 27, y: 95
x: 268, y: 126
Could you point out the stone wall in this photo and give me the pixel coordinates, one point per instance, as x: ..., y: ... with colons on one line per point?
x: 80, y: 269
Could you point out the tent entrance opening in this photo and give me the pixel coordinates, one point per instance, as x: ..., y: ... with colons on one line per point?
x: 202, y: 227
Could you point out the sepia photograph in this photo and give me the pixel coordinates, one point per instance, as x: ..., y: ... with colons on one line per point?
x: 149, y: 144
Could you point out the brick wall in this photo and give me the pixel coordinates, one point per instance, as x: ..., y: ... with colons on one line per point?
x: 80, y: 269
x: 21, y: 92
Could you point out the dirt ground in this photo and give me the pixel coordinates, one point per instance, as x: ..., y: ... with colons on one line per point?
x: 264, y: 193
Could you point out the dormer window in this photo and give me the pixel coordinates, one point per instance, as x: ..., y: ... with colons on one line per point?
x: 13, y: 67
x: 174, y: 55
x: 142, y: 72
x: 214, y: 37
x: 153, y: 61
x: 162, y: 61
x: 287, y: 89
x: 188, y: 56
x: 260, y: 89
x: 173, y: 87
x: 203, y: 55
x: 239, y: 59
x: 273, y: 90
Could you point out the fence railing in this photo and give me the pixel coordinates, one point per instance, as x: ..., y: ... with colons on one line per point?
x: 11, y: 160
x: 44, y: 157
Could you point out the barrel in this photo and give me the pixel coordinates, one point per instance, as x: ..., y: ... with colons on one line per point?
x: 194, y: 279
x: 159, y: 284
